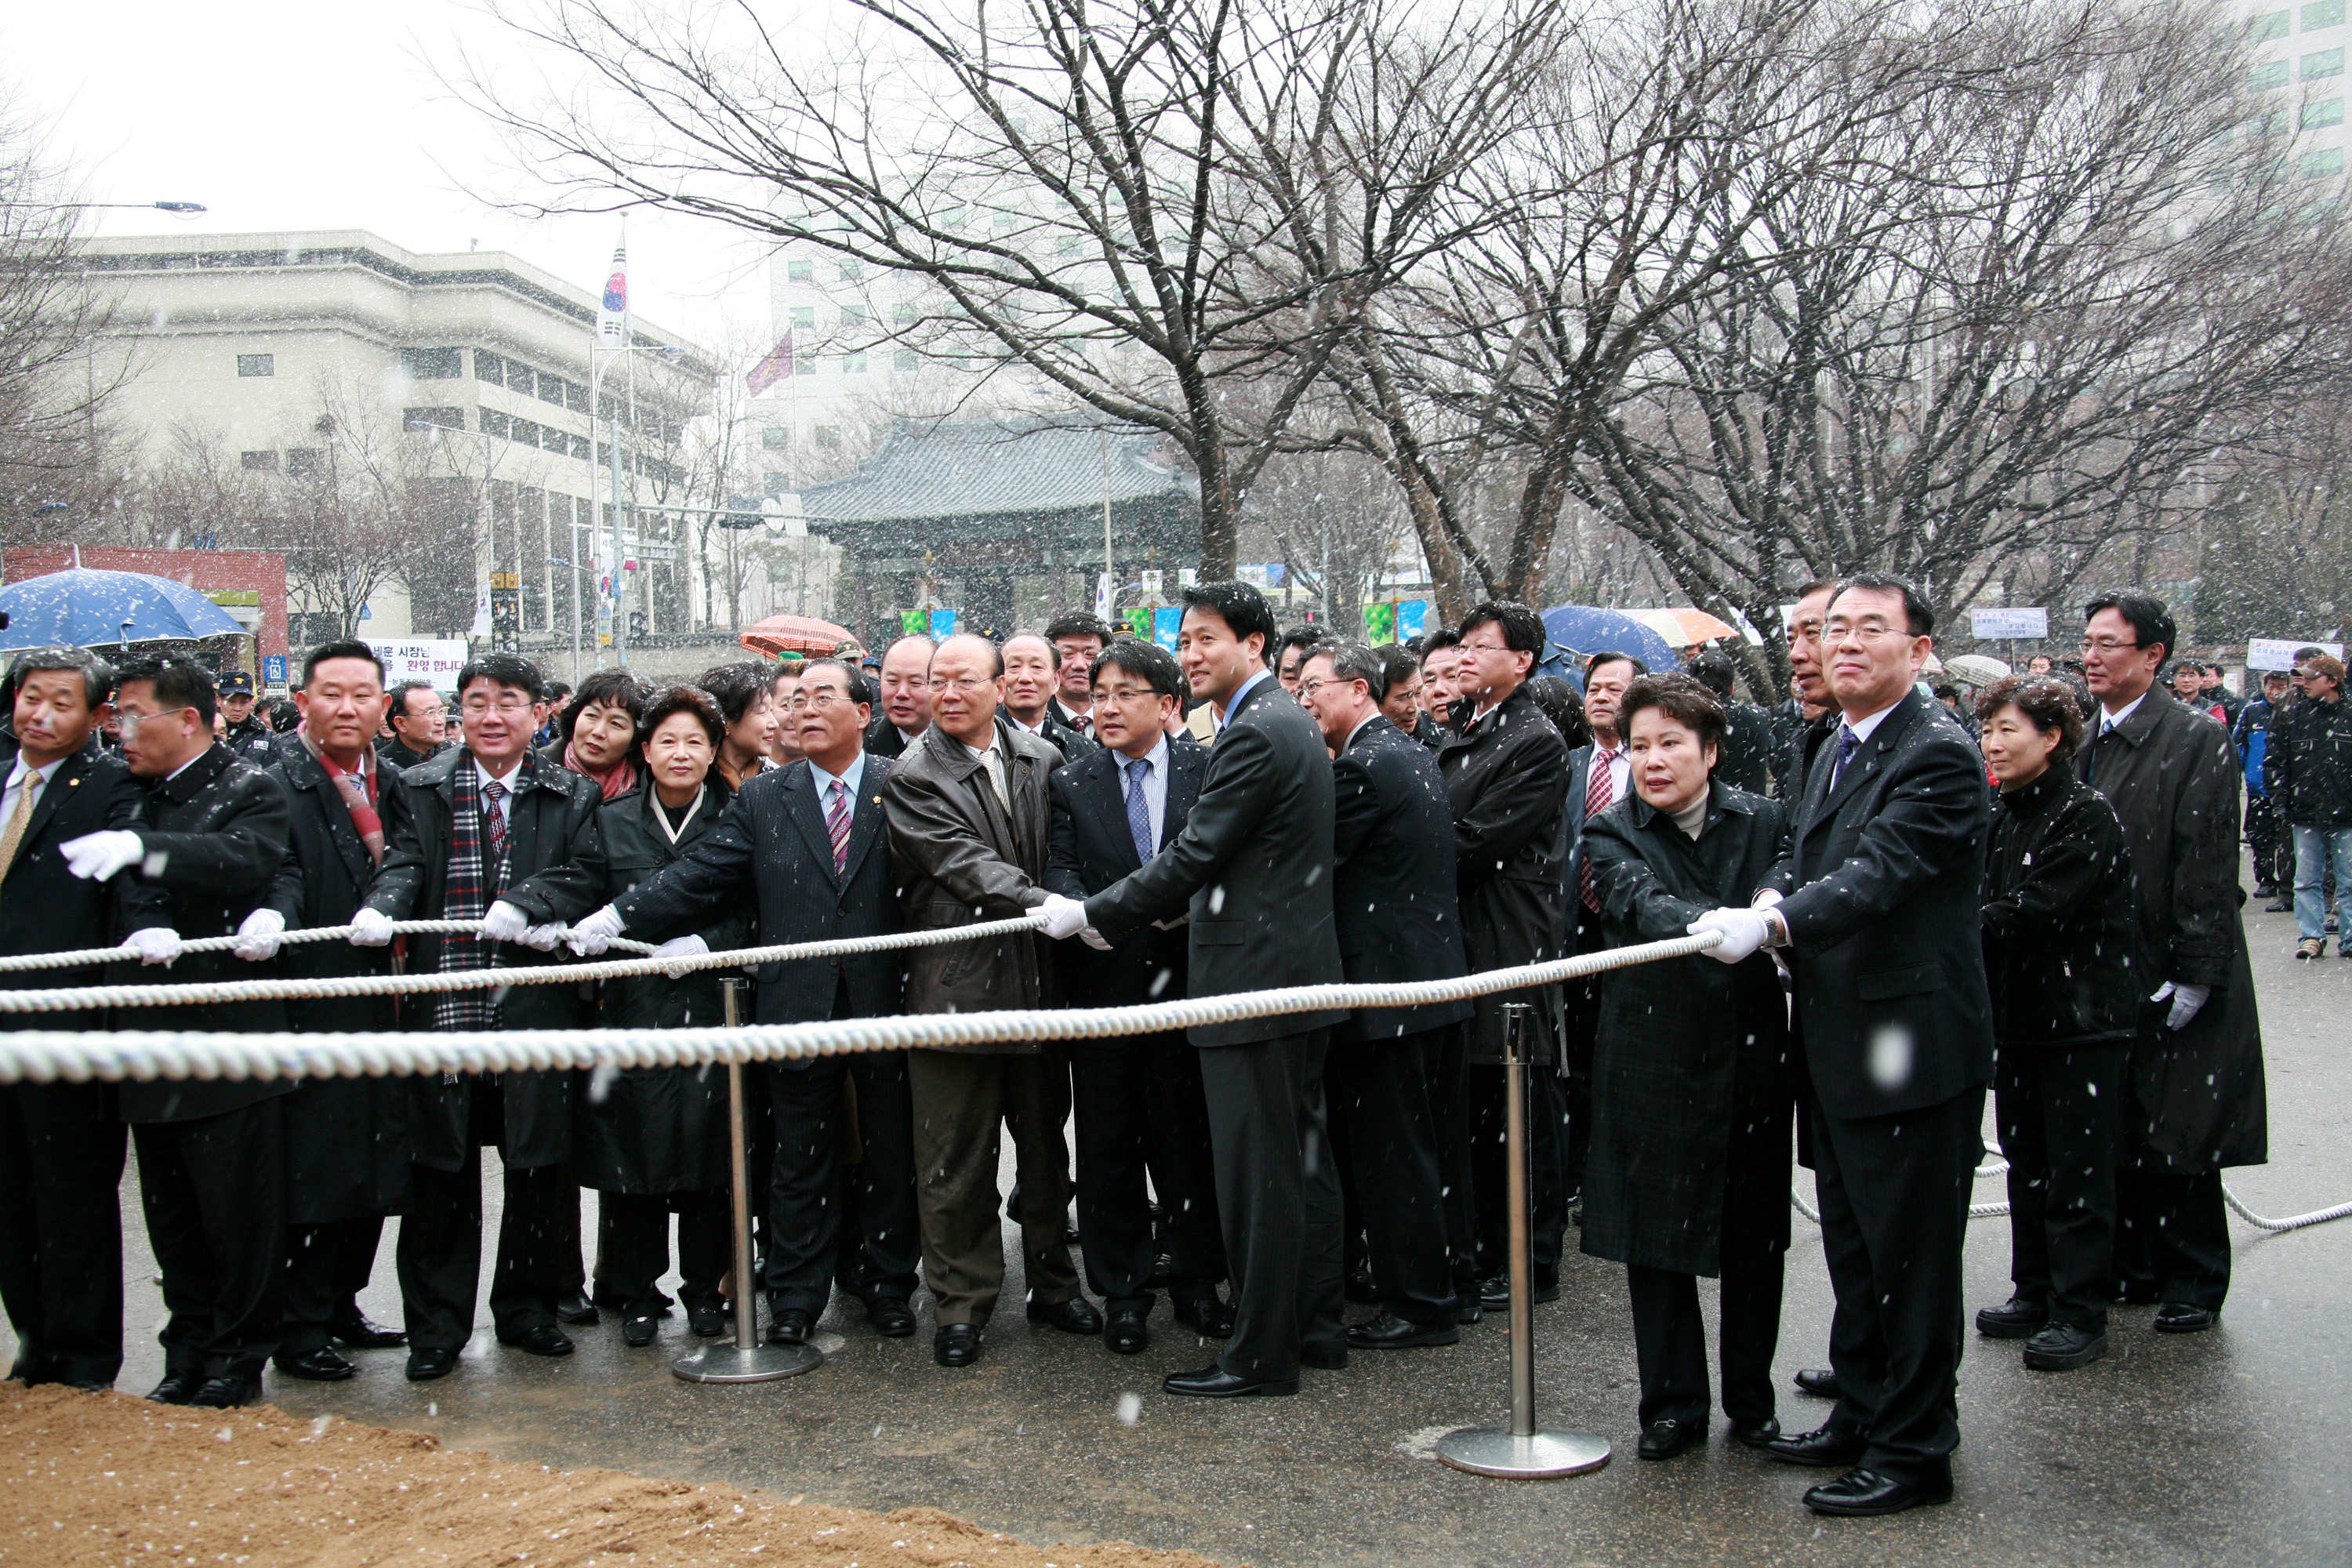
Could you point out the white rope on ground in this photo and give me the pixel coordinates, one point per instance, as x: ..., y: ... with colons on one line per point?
x: 77, y: 958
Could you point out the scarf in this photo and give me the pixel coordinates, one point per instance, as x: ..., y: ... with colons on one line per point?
x: 615, y: 782
x: 357, y: 791
x: 474, y: 880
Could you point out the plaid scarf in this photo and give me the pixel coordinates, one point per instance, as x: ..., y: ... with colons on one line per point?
x: 475, y: 877
x: 357, y: 791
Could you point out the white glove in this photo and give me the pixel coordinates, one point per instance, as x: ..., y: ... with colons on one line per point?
x: 256, y: 939
x: 1064, y: 917
x: 543, y: 938
x: 504, y: 922
x: 1744, y: 931
x: 95, y: 857
x: 2186, y: 1000
x: 156, y: 944
x: 688, y: 946
x: 1094, y: 939
x: 371, y: 928
x: 594, y: 934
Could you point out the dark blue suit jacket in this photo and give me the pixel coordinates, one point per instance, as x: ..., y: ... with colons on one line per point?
x: 1092, y: 849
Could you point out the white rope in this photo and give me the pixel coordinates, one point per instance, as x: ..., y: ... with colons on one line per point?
x: 77, y: 958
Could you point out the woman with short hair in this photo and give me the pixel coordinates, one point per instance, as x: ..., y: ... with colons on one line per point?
x: 745, y: 692
x: 597, y: 735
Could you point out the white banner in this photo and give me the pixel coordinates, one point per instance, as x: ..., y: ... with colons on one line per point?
x: 1989, y: 626
x: 2278, y: 653
x: 434, y: 659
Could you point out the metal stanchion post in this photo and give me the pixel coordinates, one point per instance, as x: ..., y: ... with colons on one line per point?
x: 1523, y: 1453
x: 747, y: 1360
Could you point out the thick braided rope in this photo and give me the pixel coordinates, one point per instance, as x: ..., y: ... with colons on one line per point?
x: 81, y: 957
x: 1994, y: 1210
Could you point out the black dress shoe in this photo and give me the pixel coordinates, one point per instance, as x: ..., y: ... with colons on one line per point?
x: 1818, y: 1381
x: 572, y: 1307
x: 2178, y: 1318
x: 1496, y: 1293
x: 2015, y: 1318
x: 2279, y: 907
x: 231, y: 1392
x: 356, y: 1334
x: 1323, y: 1361
x: 891, y: 1317
x: 1829, y: 1448
x: 2063, y: 1347
x: 321, y: 1365
x: 1468, y: 1309
x: 639, y: 1329
x: 1125, y: 1331
x: 706, y: 1322
x: 177, y: 1387
x: 1209, y: 1317
x: 956, y: 1344
x: 1216, y: 1383
x: 1867, y: 1494
x: 1390, y: 1332
x: 790, y: 1327
x: 540, y: 1339
x: 1758, y: 1434
x: 1669, y: 1435
x: 427, y: 1362
x: 1075, y: 1316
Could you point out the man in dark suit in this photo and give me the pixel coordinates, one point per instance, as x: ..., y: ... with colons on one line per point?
x: 1393, y: 897
x: 1253, y: 869
x: 62, y: 1144
x: 486, y: 831
x: 806, y: 843
x: 1402, y: 705
x: 1599, y: 776
x: 246, y: 736
x: 1031, y: 674
x: 906, y: 707
x: 1877, y: 907
x: 1139, y: 1097
x: 1078, y: 639
x: 1748, y: 737
x: 210, y: 836
x: 418, y: 719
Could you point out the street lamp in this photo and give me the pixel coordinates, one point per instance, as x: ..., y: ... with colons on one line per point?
x: 596, y: 368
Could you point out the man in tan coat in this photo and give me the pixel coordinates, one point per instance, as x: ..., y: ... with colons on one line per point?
x: 970, y: 828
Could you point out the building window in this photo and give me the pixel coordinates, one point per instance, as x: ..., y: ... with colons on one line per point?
x: 828, y: 434
x: 305, y: 462
x: 2326, y: 62
x: 850, y: 271
x: 775, y: 438
x: 2267, y: 76
x: 575, y: 397
x: 905, y: 359
x: 489, y: 367
x: 904, y: 314
x: 804, y: 315
x: 2323, y: 13
x: 2326, y: 111
x: 800, y: 272
x: 853, y: 316
x: 853, y: 364
x: 493, y: 422
x: 257, y: 364
x: 580, y: 449
x: 2270, y: 25
x: 433, y: 364
x: 524, y: 431
x: 257, y: 462
x: 430, y: 419
x: 551, y: 389
x: 521, y: 378
x: 774, y: 483
x: 2325, y: 162
x: 804, y: 364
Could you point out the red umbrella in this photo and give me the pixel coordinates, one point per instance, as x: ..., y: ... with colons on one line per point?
x: 796, y: 634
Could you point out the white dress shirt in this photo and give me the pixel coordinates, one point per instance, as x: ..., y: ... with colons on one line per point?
x: 993, y: 760
x: 1621, y: 771
x: 853, y: 777
x: 22, y: 778
x: 2118, y: 715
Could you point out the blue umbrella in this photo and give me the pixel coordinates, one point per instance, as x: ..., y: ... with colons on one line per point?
x: 1582, y: 629
x: 87, y: 608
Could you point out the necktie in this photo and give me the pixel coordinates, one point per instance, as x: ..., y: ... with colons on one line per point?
x: 18, y: 820
x: 494, y: 825
x: 1139, y: 809
x: 2091, y: 757
x: 1600, y: 793
x: 1848, y: 743
x: 837, y: 823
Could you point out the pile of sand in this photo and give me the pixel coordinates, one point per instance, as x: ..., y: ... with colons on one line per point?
x: 109, y: 1479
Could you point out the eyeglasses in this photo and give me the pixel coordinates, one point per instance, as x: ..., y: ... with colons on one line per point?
x: 2106, y: 645
x: 1483, y: 647
x: 1309, y: 688
x: 507, y: 705
x: 129, y: 723
x: 819, y: 701
x: 1864, y: 632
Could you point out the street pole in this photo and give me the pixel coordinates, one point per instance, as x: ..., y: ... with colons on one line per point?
x: 1110, y: 573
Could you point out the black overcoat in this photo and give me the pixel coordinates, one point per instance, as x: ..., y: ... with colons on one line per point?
x: 1692, y: 1083
x: 2058, y: 934
x: 1392, y: 888
x: 1507, y: 777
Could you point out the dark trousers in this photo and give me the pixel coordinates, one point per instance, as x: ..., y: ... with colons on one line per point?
x: 214, y: 1190
x: 327, y: 1266
x: 1448, y: 1061
x: 1894, y: 1195
x: 1670, y: 1337
x: 823, y: 1217
x: 440, y: 1250
x: 62, y: 1231
x: 2057, y: 1108
x: 1489, y: 1169
x: 963, y: 1101
x: 1278, y: 1199
x: 2172, y: 1234
x: 634, y: 1253
x: 1378, y: 1092
x: 1140, y: 1108
x: 1580, y: 1026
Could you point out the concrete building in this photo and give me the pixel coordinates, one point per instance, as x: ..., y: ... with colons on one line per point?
x: 2300, y: 57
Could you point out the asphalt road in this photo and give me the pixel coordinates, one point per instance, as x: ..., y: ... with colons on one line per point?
x: 2226, y: 1448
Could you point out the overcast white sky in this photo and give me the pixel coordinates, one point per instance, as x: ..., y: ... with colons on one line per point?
x: 278, y: 115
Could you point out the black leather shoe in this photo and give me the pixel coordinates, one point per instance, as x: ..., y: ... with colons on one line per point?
x: 427, y: 1362
x: 1468, y: 1309
x: 2279, y: 907
x: 637, y: 1330
x: 1829, y: 1448
x: 1818, y: 1381
x: 2063, y: 1347
x: 790, y: 1327
x: 2015, y: 1318
x: 1209, y: 1317
x: 1669, y: 1435
x: 230, y: 1392
x: 1125, y: 1332
x: 542, y: 1339
x: 1323, y: 1360
x: 891, y: 1317
x: 1390, y: 1332
x: 706, y: 1322
x: 1865, y: 1494
x: 177, y: 1387
x: 1759, y: 1434
x: 321, y: 1365
x: 359, y: 1334
x: 573, y: 1307
x: 1075, y: 1316
x: 1496, y: 1293
x: 2175, y: 1318
x: 956, y: 1344
x: 1216, y: 1383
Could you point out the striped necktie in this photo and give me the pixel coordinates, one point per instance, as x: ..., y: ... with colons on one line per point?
x: 1600, y: 793
x: 12, y: 837
x: 837, y: 823
x: 1139, y: 809
x: 494, y: 823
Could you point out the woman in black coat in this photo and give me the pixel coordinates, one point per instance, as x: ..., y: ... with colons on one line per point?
x: 1687, y: 1172
x: 653, y: 1140
x: 2058, y: 940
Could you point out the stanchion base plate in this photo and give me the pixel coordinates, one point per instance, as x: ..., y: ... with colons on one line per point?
x: 761, y: 1364
x: 1484, y: 1451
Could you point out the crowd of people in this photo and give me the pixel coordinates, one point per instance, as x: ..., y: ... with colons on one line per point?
x: 1907, y: 915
